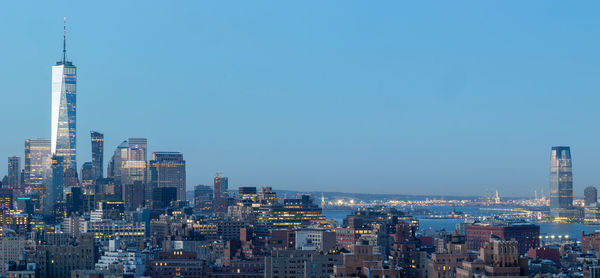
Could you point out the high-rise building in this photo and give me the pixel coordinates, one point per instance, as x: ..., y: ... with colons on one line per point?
x: 115, y: 165
x: 203, y: 197
x: 37, y: 169
x: 167, y: 169
x: 221, y: 185
x: 14, y: 172
x: 134, y: 167
x: 590, y: 196
x: 561, y: 183
x: 64, y: 92
x: 87, y: 175
x: 97, y: 154
x: 55, y: 188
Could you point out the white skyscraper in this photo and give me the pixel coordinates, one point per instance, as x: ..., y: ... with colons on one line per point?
x: 64, y: 81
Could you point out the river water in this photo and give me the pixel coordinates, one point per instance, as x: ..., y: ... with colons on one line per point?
x: 573, y: 230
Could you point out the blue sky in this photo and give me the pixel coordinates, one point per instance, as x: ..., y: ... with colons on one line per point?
x: 420, y: 97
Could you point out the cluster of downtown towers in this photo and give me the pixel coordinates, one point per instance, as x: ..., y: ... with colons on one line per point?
x: 50, y: 166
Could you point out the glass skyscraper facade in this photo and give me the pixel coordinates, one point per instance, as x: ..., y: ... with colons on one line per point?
x: 561, y: 182
x: 63, y: 132
x: 167, y: 169
x: 97, y: 154
x: 14, y: 172
x: 37, y: 165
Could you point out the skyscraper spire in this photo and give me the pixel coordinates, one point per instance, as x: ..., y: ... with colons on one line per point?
x: 64, y: 40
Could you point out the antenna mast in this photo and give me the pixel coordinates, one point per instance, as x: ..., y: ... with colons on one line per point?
x: 64, y: 40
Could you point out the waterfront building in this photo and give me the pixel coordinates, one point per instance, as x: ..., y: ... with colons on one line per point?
x: 561, y: 183
x: 590, y: 196
x: 292, y: 213
x: 526, y: 234
x: 97, y: 154
x: 14, y: 172
x: 167, y: 169
x: 63, y: 120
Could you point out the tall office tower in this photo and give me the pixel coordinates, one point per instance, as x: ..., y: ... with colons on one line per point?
x: 115, y: 165
x: 221, y: 201
x: 561, y: 183
x: 87, y: 175
x: 55, y: 189
x: 37, y: 168
x: 221, y: 185
x: 134, y: 167
x: 14, y: 172
x: 590, y: 196
x: 63, y: 129
x: 167, y: 169
x: 97, y: 154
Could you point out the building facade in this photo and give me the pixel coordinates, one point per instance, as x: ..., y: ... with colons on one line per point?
x: 37, y: 164
x: 167, y: 169
x: 64, y: 95
x: 14, y: 172
x: 97, y: 154
x: 561, y: 183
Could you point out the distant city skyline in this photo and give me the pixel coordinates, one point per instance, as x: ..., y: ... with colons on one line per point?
x: 349, y: 97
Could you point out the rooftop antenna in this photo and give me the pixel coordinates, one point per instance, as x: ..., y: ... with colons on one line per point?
x: 64, y: 40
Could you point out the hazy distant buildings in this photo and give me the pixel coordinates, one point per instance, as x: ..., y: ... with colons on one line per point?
x: 561, y: 183
x: 203, y: 197
x: 167, y: 169
x: 63, y: 129
x: 14, y: 172
x: 97, y: 154
x: 590, y: 196
x: 87, y: 175
x: 115, y: 165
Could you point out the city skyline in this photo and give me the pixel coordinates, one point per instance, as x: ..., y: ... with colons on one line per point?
x: 333, y: 142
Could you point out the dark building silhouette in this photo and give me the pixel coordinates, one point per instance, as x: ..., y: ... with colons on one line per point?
x: 87, y: 175
x: 163, y: 196
x: 97, y: 154
x: 14, y: 172
x: 590, y: 196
